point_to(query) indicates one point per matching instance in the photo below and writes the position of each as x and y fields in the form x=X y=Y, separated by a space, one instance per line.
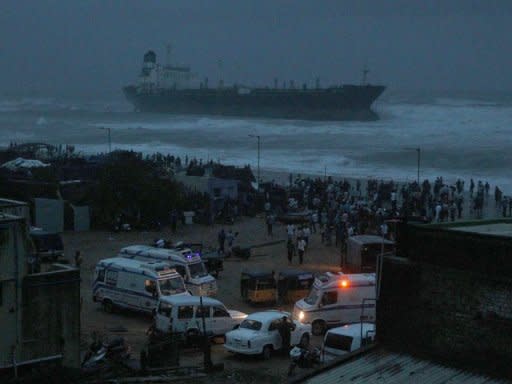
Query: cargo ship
x=175 y=89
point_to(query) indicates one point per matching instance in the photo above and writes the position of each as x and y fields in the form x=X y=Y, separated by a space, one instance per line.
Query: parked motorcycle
x=100 y=353
x=303 y=358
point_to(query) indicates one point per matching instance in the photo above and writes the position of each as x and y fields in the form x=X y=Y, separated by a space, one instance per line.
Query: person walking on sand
x=290 y=231
x=306 y=232
x=221 y=237
x=270 y=223
x=78 y=259
x=301 y=248
x=230 y=238
x=290 y=248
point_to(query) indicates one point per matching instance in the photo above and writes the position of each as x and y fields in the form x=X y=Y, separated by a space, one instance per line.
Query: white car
x=258 y=334
x=348 y=338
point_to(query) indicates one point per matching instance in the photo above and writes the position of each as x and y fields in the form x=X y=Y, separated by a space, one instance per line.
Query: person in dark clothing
x=174 y=220
x=270 y=222
x=290 y=248
x=221 y=237
x=285 y=331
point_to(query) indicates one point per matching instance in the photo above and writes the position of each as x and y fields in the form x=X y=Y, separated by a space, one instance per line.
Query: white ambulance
x=337 y=299
x=132 y=284
x=187 y=264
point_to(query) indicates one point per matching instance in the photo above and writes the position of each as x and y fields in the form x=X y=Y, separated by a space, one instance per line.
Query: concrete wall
x=49 y=214
x=51 y=315
x=456 y=315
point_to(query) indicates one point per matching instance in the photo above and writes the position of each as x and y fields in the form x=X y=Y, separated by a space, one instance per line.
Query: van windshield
x=341 y=342
x=197 y=270
x=313 y=296
x=171 y=286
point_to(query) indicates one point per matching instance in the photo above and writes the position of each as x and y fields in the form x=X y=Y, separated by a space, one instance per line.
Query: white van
x=132 y=284
x=187 y=264
x=337 y=299
x=184 y=314
x=348 y=338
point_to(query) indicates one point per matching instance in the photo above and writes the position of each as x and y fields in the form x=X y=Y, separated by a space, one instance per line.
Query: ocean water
x=459 y=136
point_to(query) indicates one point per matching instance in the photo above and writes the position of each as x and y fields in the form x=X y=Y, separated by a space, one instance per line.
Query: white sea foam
x=457 y=137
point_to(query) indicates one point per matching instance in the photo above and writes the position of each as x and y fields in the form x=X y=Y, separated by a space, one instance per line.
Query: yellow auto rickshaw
x=258 y=286
x=293 y=285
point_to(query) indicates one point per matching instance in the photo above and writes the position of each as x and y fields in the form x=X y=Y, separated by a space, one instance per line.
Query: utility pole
x=418 y=151
x=258 y=138
x=419 y=155
x=109 y=138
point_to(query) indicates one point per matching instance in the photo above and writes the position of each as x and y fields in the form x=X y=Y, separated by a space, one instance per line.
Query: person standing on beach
x=290 y=248
x=306 y=232
x=301 y=248
x=221 y=237
x=230 y=238
x=290 y=231
x=270 y=223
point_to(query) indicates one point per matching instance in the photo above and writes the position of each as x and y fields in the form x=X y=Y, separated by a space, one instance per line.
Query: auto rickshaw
x=293 y=285
x=258 y=286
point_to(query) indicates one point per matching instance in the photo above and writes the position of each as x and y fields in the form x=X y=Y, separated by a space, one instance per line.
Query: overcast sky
x=67 y=47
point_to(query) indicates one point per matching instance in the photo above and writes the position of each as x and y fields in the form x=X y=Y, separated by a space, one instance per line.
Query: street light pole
x=419 y=155
x=418 y=151
x=258 y=138
x=109 y=138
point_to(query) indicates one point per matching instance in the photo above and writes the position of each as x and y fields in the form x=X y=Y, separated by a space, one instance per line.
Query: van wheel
x=304 y=341
x=108 y=306
x=267 y=352
x=318 y=327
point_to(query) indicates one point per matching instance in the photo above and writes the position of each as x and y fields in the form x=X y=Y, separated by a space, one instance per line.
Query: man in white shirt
x=290 y=231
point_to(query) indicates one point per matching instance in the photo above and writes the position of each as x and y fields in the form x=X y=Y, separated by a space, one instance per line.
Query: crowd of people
x=340 y=208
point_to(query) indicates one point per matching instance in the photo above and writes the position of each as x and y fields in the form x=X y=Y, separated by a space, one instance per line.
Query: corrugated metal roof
x=381 y=366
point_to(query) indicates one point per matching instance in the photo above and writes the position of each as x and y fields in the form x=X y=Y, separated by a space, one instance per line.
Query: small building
x=40 y=312
x=214 y=187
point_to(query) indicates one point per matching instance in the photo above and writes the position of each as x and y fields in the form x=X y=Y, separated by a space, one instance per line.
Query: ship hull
x=349 y=102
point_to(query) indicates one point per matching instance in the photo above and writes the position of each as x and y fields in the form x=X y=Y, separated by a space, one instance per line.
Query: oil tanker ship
x=175 y=89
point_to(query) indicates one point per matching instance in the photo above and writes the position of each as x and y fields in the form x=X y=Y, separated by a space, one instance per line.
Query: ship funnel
x=150 y=57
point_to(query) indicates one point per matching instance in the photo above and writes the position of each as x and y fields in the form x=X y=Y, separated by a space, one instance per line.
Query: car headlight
x=301 y=315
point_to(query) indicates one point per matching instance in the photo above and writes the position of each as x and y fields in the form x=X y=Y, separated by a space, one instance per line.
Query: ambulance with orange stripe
x=336 y=299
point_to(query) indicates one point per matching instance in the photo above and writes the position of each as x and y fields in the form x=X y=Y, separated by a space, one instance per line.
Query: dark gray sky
x=72 y=47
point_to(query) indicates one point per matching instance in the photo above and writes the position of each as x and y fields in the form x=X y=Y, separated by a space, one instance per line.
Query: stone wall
x=458 y=316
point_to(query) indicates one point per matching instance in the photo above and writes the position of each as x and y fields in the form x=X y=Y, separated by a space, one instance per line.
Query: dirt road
x=99 y=245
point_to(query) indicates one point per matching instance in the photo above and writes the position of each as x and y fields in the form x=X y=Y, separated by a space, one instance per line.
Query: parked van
x=132 y=284
x=187 y=264
x=337 y=299
x=184 y=314
x=348 y=338
x=363 y=252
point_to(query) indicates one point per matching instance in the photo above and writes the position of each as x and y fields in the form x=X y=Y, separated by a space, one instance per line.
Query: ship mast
x=169 y=51
x=365 y=74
